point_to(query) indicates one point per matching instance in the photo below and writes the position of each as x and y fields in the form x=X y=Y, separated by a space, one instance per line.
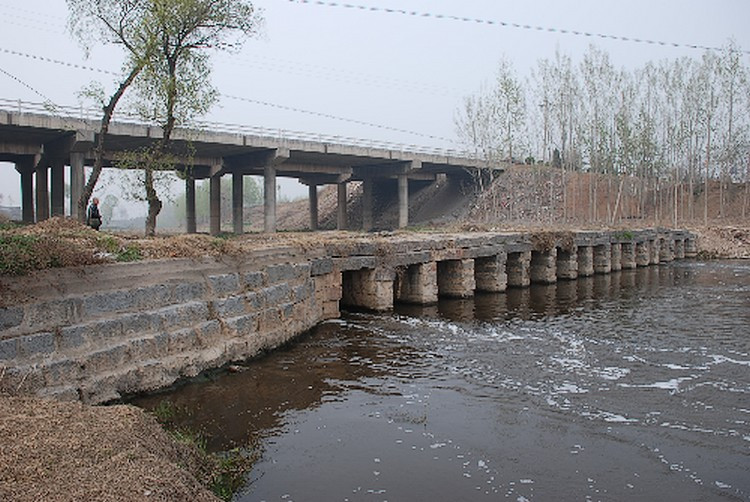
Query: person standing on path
x=93 y=216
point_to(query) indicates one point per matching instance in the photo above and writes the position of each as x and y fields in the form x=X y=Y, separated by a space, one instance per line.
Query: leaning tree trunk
x=154 y=203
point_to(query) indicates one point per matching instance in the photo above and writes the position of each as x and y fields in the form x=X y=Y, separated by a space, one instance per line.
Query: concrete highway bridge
x=40 y=144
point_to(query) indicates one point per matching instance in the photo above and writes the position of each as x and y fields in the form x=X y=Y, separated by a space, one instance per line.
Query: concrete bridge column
x=42 y=192
x=312 y=190
x=691 y=248
x=367 y=204
x=489 y=273
x=517 y=269
x=57 y=176
x=190 y=220
x=368 y=288
x=616 y=256
x=654 y=248
x=341 y=206
x=679 y=249
x=543 y=267
x=585 y=261
x=403 y=201
x=26 y=169
x=643 y=254
x=567 y=263
x=603 y=259
x=417 y=283
x=77 y=181
x=627 y=255
x=238 y=198
x=269 y=199
x=455 y=278
x=666 y=251
x=214 y=190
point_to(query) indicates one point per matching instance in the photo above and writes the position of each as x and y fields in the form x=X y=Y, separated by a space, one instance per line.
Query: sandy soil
x=72 y=452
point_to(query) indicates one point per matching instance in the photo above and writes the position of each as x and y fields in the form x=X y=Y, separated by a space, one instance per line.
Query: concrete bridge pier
x=417 y=283
x=25 y=168
x=341 y=222
x=57 y=177
x=77 y=180
x=603 y=258
x=312 y=190
x=489 y=273
x=585 y=261
x=42 y=191
x=214 y=194
x=367 y=288
x=367 y=204
x=643 y=254
x=455 y=278
x=543 y=267
x=567 y=263
x=627 y=255
x=190 y=219
x=616 y=256
x=269 y=198
x=679 y=249
x=666 y=251
x=517 y=269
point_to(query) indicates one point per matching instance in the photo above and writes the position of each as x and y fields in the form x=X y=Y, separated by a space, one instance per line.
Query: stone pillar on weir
x=603 y=258
x=313 y=200
x=367 y=204
x=517 y=269
x=543 y=266
x=191 y=223
x=417 y=284
x=455 y=278
x=238 y=221
x=585 y=261
x=616 y=256
x=654 y=248
x=370 y=289
x=403 y=201
x=679 y=249
x=627 y=255
x=269 y=199
x=341 y=222
x=643 y=254
x=57 y=176
x=26 y=169
x=77 y=181
x=691 y=250
x=489 y=273
x=666 y=249
x=214 y=193
x=42 y=191
x=567 y=263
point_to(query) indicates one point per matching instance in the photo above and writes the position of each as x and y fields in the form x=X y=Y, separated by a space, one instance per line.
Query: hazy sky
x=404 y=72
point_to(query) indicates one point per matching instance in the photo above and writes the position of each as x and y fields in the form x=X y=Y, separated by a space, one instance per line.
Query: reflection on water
x=628 y=386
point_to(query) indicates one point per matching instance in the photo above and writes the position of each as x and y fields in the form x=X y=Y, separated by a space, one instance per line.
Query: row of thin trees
x=671 y=137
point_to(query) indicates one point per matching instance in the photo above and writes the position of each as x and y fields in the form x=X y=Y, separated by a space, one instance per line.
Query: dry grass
x=73 y=452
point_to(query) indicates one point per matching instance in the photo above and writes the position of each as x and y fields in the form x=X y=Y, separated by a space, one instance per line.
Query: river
x=628 y=386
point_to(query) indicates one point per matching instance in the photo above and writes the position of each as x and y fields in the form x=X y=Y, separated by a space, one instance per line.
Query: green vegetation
x=17 y=254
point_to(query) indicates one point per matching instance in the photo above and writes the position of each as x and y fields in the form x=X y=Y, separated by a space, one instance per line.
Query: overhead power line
x=509 y=24
x=237 y=98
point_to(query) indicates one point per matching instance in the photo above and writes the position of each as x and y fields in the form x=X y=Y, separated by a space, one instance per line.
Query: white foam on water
x=673 y=384
x=721 y=485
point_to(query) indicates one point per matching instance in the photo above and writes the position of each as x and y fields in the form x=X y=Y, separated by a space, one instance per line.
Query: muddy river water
x=628 y=386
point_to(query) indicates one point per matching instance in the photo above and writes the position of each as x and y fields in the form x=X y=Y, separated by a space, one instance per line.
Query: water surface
x=628 y=386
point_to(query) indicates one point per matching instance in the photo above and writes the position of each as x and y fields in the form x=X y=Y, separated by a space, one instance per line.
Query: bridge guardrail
x=94 y=114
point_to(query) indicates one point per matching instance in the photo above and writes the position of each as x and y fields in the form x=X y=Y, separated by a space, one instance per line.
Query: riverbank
x=73 y=452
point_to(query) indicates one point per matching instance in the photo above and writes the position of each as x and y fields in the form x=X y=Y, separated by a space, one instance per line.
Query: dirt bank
x=728 y=242
x=73 y=452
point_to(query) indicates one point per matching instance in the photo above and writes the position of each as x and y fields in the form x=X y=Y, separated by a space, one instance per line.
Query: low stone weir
x=98 y=333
